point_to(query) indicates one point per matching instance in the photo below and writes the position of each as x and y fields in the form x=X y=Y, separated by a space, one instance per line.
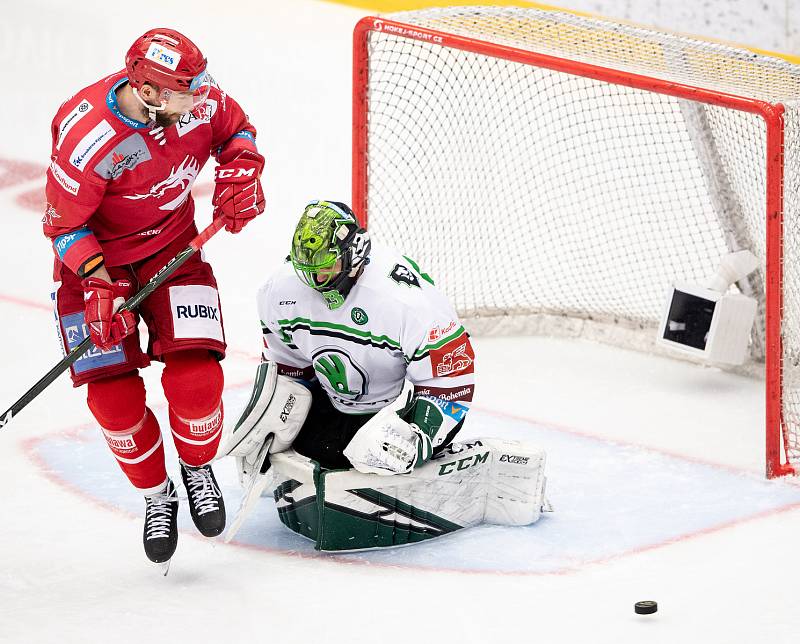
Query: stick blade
x=253 y=490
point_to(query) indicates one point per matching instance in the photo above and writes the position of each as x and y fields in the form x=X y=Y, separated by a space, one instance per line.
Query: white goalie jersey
x=394 y=326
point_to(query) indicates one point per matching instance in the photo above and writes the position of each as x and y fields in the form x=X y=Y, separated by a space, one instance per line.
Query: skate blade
x=163 y=568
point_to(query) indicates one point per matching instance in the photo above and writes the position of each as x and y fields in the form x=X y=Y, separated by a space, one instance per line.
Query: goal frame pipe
x=772 y=114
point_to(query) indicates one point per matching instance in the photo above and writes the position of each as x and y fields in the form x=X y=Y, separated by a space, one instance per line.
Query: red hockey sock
x=130 y=429
x=193 y=383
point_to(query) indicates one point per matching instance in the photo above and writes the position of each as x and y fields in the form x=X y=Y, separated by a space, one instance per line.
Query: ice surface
x=611 y=500
x=654 y=466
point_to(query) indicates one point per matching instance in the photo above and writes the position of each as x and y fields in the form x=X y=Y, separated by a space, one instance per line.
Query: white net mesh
x=571 y=204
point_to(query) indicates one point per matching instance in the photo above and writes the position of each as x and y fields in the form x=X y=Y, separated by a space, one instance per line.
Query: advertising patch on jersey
x=75 y=331
x=163 y=56
x=80 y=110
x=454 y=358
x=125 y=156
x=345 y=378
x=304 y=373
x=64 y=242
x=438 y=332
x=90 y=144
x=64 y=180
x=403 y=275
x=180 y=179
x=456 y=411
x=199 y=116
x=447 y=393
x=195 y=312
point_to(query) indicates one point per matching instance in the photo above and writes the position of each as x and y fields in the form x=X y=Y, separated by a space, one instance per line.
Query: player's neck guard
x=152 y=110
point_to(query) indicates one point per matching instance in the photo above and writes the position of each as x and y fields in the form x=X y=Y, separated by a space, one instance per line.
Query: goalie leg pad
x=481 y=481
x=278 y=405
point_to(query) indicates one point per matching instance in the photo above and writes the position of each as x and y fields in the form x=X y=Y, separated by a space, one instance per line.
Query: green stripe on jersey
x=357 y=335
x=424 y=350
x=416 y=267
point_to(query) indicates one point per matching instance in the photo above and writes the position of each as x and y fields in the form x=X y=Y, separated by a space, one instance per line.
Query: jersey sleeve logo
x=455 y=358
x=64 y=180
x=90 y=144
x=63 y=243
x=80 y=110
x=50 y=214
x=437 y=332
x=403 y=275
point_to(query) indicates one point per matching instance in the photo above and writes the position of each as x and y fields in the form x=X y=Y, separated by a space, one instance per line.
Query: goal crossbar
x=771 y=112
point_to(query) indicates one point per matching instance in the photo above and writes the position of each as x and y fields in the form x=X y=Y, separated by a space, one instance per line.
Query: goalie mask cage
x=558 y=173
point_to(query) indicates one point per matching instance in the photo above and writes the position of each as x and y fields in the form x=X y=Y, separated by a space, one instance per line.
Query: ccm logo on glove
x=228 y=173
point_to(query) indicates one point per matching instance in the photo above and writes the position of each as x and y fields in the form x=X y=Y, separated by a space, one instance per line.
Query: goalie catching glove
x=238 y=196
x=404 y=435
x=386 y=444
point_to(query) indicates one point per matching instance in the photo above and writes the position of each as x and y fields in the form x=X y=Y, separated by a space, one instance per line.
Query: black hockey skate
x=161 y=524
x=205 y=499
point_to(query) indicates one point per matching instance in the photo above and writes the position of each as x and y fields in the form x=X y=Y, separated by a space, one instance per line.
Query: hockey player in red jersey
x=126 y=151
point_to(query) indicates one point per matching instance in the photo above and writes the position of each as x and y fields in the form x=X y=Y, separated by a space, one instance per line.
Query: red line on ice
x=29 y=447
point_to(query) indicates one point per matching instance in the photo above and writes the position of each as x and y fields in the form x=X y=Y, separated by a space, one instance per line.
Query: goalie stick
x=255 y=486
x=169 y=268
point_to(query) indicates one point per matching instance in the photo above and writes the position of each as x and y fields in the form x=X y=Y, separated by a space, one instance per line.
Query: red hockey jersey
x=115 y=188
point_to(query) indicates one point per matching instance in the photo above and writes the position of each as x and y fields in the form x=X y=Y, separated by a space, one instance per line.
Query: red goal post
x=412 y=37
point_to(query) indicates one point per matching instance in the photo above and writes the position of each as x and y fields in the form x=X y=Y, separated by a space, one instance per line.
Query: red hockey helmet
x=168 y=60
x=164 y=58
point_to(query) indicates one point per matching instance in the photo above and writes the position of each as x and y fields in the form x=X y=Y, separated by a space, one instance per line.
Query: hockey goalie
x=367 y=377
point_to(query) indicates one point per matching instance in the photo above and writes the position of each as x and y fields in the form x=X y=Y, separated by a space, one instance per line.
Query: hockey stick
x=169 y=268
x=253 y=488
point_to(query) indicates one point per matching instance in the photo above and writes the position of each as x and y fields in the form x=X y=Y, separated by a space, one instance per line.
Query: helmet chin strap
x=152 y=110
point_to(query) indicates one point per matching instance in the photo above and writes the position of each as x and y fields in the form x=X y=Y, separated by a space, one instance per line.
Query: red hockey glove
x=238 y=196
x=101 y=301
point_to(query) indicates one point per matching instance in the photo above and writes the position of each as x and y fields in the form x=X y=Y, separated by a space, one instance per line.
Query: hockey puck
x=645 y=607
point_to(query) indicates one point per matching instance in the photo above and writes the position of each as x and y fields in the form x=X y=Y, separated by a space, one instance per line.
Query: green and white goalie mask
x=329 y=250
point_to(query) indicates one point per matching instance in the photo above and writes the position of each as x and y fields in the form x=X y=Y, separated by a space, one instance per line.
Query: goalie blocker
x=486 y=480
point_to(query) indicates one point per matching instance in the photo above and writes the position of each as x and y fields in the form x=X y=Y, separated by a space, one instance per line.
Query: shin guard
x=130 y=429
x=193 y=385
x=197 y=439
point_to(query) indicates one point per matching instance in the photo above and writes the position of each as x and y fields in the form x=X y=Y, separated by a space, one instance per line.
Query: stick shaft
x=159 y=278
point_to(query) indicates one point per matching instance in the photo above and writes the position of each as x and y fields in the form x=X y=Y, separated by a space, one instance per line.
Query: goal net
x=558 y=173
